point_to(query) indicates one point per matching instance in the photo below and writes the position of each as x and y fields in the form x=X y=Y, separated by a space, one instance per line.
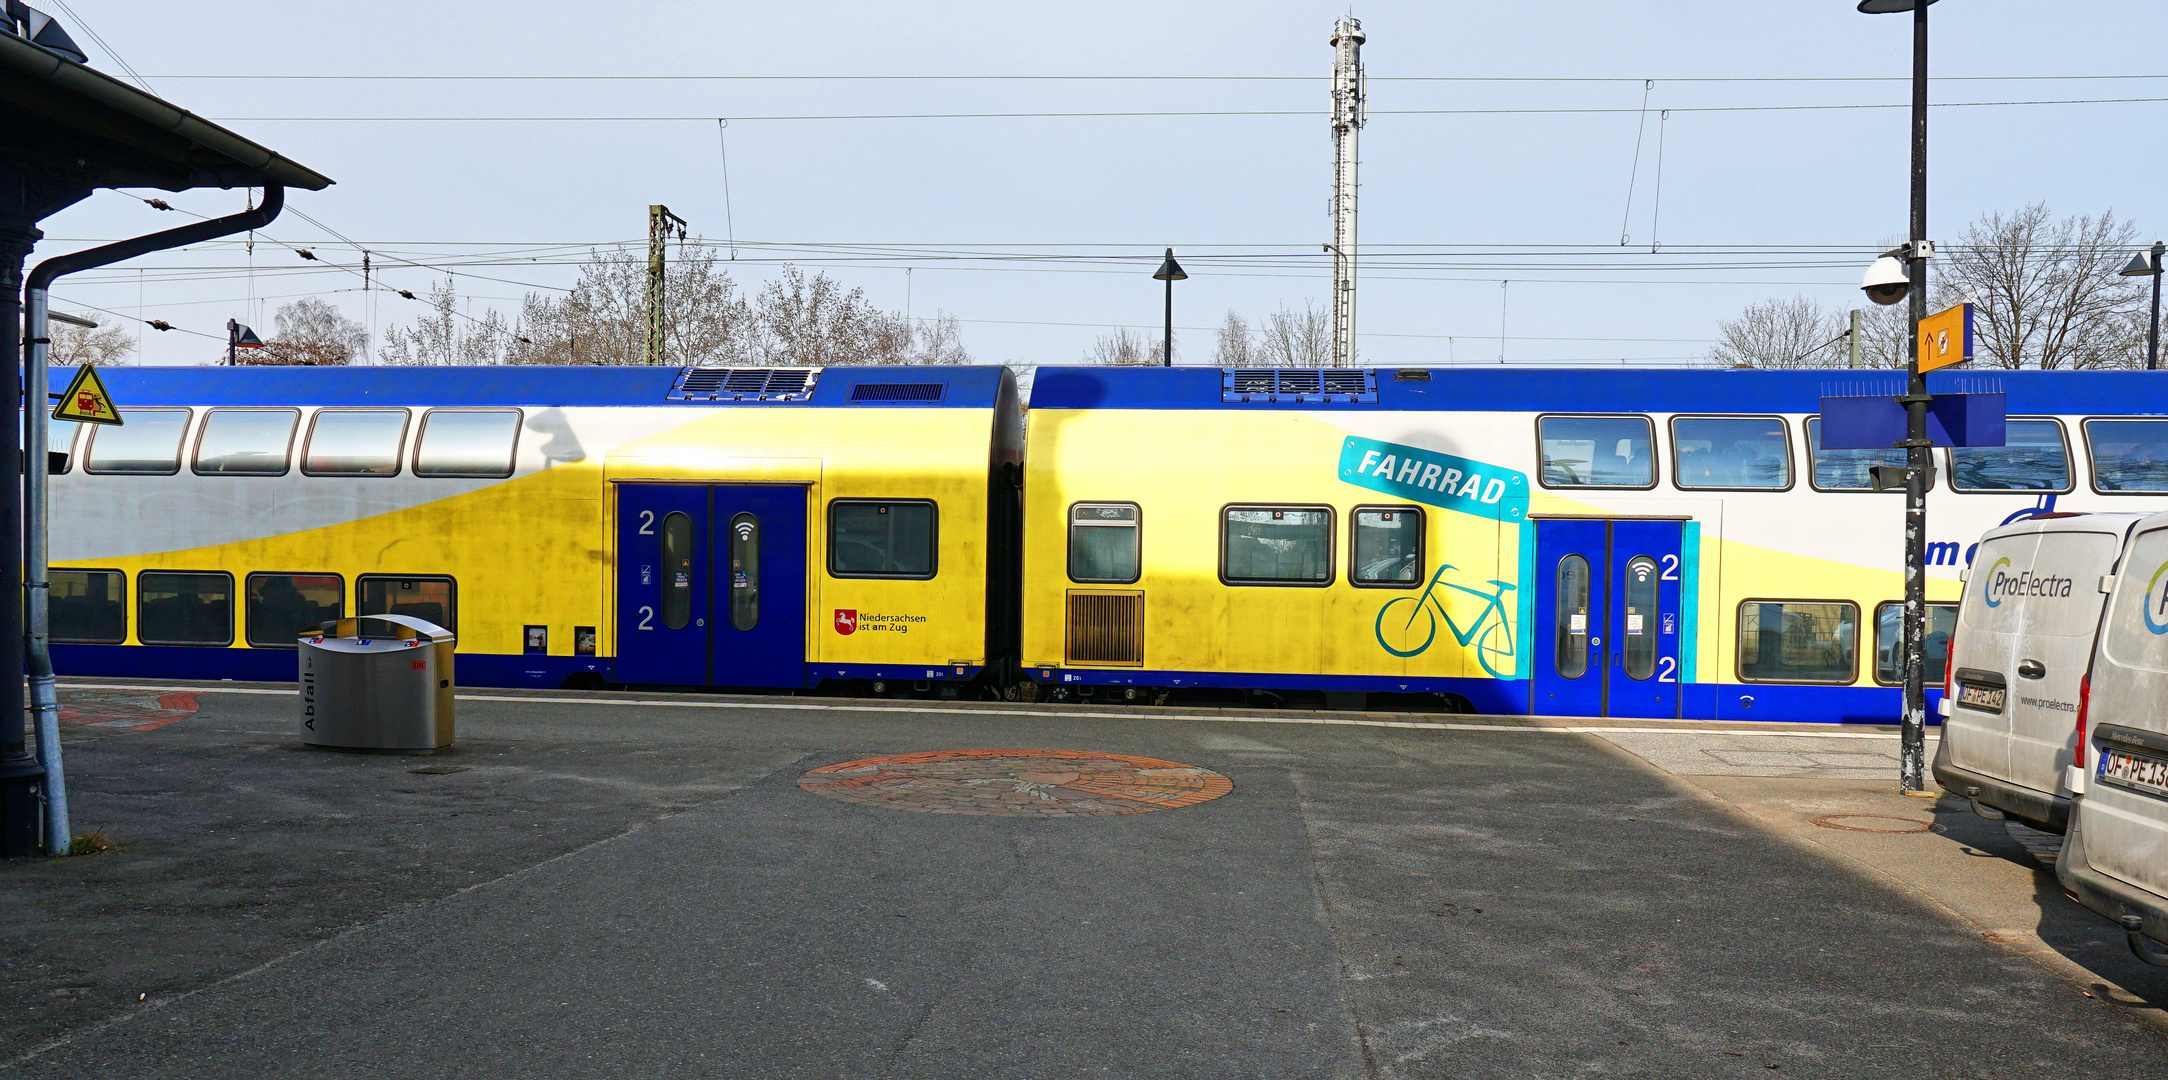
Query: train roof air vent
x=1306 y=386
x=921 y=392
x=744 y=384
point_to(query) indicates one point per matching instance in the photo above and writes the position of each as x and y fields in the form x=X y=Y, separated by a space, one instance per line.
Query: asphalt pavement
x=637 y=885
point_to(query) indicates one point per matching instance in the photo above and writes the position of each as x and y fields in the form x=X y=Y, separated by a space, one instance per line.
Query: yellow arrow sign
x=86 y=401
x=1946 y=338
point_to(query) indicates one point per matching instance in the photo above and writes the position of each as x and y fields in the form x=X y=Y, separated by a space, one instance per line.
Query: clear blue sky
x=1243 y=198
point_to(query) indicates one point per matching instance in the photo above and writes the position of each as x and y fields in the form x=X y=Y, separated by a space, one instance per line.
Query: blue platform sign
x=1427 y=476
x=1878 y=423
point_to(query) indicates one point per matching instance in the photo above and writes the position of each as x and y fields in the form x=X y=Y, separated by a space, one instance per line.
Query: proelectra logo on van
x=2156 y=601
x=1426 y=476
x=2001 y=583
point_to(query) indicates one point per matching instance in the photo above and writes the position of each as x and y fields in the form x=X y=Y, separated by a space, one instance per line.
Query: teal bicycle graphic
x=1493 y=638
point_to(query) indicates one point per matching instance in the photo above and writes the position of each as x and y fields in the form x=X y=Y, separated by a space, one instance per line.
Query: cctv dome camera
x=1886 y=281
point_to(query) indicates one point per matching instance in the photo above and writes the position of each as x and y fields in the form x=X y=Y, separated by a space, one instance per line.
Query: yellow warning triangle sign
x=86 y=401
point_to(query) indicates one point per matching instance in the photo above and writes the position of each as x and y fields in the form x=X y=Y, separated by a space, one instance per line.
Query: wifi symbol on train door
x=744 y=529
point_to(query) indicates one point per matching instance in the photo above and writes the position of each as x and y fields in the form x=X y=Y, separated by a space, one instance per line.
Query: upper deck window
x=467 y=442
x=2033 y=457
x=1597 y=451
x=1731 y=452
x=2129 y=456
x=1845 y=470
x=355 y=442
x=246 y=442
x=148 y=441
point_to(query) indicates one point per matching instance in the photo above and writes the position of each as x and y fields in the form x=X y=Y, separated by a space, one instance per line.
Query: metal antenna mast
x=659 y=220
x=1347 y=121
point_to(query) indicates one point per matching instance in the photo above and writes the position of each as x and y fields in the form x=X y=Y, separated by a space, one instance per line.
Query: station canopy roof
x=88 y=129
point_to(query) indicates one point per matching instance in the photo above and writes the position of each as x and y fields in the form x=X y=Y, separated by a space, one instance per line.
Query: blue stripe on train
x=1698 y=701
x=533 y=387
x=1476 y=389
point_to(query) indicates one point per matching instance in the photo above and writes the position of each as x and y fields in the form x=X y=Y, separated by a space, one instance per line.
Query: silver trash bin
x=390 y=694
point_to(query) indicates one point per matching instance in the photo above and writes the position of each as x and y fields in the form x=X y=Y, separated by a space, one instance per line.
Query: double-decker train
x=1586 y=542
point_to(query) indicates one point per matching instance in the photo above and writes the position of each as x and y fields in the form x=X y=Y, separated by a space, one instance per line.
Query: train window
x=60 y=439
x=355 y=442
x=430 y=599
x=2033 y=457
x=1889 y=642
x=677 y=569
x=1731 y=453
x=2129 y=456
x=148 y=441
x=245 y=442
x=1570 y=651
x=876 y=538
x=1104 y=543
x=1597 y=451
x=1804 y=641
x=467 y=442
x=1846 y=470
x=1388 y=547
x=88 y=606
x=1276 y=545
x=186 y=607
x=281 y=606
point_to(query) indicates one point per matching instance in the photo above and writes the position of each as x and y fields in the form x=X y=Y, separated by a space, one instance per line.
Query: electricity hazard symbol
x=86 y=401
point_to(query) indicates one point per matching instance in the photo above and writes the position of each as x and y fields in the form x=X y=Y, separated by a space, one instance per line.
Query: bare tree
x=1126 y=348
x=603 y=320
x=2046 y=293
x=74 y=346
x=1781 y=334
x=1296 y=338
x=309 y=333
x=1235 y=347
x=445 y=336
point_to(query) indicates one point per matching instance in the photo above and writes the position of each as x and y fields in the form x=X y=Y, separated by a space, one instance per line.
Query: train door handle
x=2031 y=669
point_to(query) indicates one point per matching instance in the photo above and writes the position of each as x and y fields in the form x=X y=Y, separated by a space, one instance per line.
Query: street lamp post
x=239 y=337
x=1912 y=753
x=2148 y=264
x=1169 y=272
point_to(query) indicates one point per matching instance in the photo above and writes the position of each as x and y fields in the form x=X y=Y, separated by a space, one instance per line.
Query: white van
x=2115 y=860
x=2025 y=629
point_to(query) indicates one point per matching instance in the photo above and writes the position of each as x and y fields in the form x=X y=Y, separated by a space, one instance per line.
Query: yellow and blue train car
x=759 y=528
x=1585 y=543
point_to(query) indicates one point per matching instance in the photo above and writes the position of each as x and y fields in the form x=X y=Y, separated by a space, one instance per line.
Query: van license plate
x=1980 y=697
x=2150 y=774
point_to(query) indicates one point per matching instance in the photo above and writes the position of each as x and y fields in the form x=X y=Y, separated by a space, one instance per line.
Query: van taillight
x=2085 y=704
x=1949 y=665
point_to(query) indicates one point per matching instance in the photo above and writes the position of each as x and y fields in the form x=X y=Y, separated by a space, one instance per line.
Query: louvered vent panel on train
x=1106 y=628
x=745 y=384
x=898 y=391
x=1309 y=386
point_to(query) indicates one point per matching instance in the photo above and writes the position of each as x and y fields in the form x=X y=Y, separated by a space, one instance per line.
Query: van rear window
x=2039 y=585
x=2129 y=456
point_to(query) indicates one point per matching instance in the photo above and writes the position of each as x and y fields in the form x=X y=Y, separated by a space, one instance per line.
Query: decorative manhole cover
x=126 y=710
x=1018 y=783
x=1875 y=823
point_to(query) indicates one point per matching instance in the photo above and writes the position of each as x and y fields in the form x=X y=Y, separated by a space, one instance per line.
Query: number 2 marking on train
x=1668 y=669
x=647 y=617
x=1671 y=568
x=647 y=523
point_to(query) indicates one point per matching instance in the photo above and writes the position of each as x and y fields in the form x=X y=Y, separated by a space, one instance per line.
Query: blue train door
x=1607 y=626
x=760 y=545
x=662 y=584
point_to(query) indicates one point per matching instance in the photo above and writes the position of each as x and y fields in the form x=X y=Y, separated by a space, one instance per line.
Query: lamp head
x=2143 y=264
x=1886 y=7
x=1886 y=282
x=1170 y=270
x=245 y=338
